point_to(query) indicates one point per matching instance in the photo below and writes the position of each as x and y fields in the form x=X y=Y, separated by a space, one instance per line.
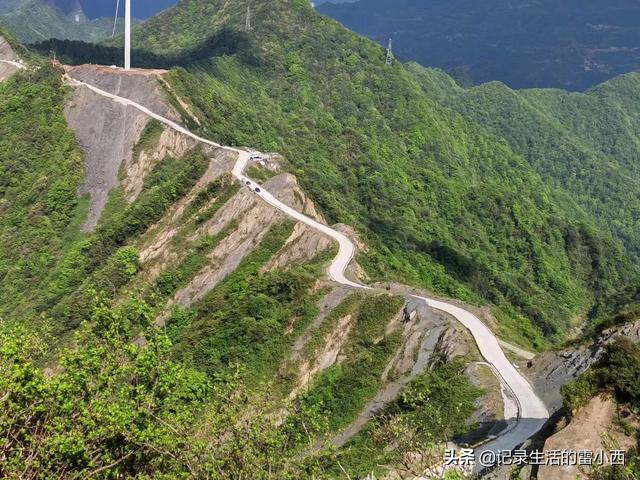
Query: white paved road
x=532 y=411
x=15 y=64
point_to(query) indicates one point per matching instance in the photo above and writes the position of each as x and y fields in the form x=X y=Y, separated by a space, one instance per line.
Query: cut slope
x=107 y=131
x=8 y=57
x=532 y=413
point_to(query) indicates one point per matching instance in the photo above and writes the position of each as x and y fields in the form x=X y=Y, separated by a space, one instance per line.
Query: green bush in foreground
x=117 y=408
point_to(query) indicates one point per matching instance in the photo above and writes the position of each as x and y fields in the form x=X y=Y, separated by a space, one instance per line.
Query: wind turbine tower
x=127 y=35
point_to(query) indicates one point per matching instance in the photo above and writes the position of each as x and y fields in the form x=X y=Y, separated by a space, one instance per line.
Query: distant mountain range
x=32 y=21
x=525 y=43
x=88 y=20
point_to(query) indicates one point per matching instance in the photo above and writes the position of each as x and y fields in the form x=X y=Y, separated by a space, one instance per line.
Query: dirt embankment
x=593 y=428
x=108 y=131
x=7 y=53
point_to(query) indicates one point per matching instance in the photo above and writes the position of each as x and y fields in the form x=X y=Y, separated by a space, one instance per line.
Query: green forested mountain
x=445 y=193
x=442 y=201
x=585 y=144
x=33 y=21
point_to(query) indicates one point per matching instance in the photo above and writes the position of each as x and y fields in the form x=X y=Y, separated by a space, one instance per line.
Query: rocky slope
x=240 y=223
x=107 y=131
x=7 y=53
x=551 y=370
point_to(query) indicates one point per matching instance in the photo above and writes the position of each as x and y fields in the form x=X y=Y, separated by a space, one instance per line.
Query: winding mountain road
x=532 y=411
x=15 y=64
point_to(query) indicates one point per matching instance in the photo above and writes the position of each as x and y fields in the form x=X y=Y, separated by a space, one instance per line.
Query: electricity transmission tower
x=389 y=61
x=247 y=26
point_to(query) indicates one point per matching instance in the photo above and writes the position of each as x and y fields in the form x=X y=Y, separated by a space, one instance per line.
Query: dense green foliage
x=341 y=391
x=434 y=407
x=113 y=408
x=582 y=143
x=40 y=171
x=441 y=201
x=617 y=370
x=96 y=263
x=245 y=318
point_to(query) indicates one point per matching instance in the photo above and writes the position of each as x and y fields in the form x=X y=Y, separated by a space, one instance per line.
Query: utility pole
x=389 y=61
x=127 y=35
x=247 y=26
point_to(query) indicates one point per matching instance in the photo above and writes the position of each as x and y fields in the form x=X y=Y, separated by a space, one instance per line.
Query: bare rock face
x=551 y=370
x=7 y=53
x=592 y=428
x=451 y=344
x=106 y=130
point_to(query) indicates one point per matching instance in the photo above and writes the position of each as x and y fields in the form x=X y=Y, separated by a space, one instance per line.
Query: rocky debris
x=592 y=428
x=140 y=86
x=107 y=132
x=424 y=338
x=451 y=344
x=489 y=414
x=551 y=370
x=7 y=53
x=286 y=189
x=254 y=219
x=334 y=298
x=157 y=250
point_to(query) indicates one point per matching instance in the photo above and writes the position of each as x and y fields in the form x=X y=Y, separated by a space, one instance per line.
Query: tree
x=118 y=406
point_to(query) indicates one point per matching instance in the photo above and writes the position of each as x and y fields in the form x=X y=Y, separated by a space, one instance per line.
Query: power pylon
x=389 y=61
